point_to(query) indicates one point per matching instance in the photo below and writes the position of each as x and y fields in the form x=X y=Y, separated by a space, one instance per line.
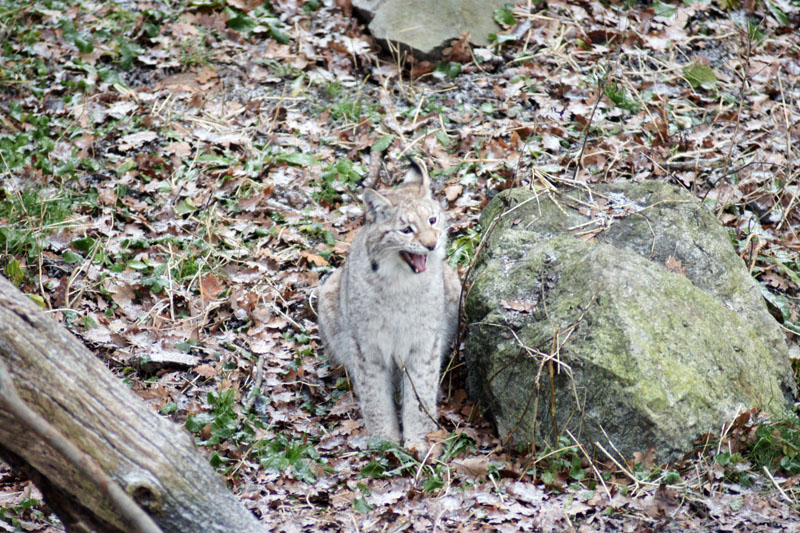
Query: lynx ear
x=417 y=175
x=377 y=205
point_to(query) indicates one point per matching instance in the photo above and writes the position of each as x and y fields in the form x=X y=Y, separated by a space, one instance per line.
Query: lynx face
x=407 y=223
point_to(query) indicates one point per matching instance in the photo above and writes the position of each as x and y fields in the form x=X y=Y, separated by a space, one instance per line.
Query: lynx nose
x=428 y=239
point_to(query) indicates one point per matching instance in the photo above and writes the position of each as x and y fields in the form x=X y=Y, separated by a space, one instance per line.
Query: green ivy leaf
x=70 y=257
x=664 y=10
x=278 y=34
x=302 y=471
x=548 y=476
x=504 y=16
x=361 y=506
x=449 y=69
x=84 y=244
x=700 y=76
x=432 y=484
x=373 y=469
x=382 y=144
x=194 y=423
x=443 y=138
x=778 y=14
x=15 y=272
x=185 y=207
x=300 y=160
x=217 y=460
x=137 y=265
x=84 y=43
x=186 y=346
x=238 y=20
x=501 y=38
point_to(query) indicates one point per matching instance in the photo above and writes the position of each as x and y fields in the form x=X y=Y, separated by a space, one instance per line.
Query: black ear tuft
x=417 y=175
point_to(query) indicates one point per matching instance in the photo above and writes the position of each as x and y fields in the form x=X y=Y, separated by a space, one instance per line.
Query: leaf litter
x=177 y=180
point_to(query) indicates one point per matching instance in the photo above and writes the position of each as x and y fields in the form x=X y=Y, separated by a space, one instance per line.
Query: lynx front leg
x=375 y=389
x=420 y=387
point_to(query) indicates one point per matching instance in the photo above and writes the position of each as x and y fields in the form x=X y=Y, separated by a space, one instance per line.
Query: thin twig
x=780 y=489
x=591 y=463
x=465 y=284
x=251 y=398
x=622 y=468
x=789 y=158
x=601 y=90
x=402 y=366
x=742 y=89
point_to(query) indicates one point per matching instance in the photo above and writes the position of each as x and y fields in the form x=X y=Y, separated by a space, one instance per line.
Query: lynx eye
x=432 y=220
x=407 y=230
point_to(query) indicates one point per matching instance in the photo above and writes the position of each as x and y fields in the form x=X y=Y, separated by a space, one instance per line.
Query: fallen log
x=103 y=460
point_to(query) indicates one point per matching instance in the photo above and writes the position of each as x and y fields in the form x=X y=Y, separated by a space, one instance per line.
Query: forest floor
x=177 y=176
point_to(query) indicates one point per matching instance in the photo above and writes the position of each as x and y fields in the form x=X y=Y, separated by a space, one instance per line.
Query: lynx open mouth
x=415 y=261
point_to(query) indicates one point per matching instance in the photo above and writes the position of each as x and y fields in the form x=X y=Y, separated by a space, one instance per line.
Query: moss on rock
x=649 y=357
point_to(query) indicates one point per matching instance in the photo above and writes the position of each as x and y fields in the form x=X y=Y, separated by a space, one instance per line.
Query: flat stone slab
x=426 y=26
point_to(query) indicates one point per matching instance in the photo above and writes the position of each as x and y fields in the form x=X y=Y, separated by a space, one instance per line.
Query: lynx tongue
x=415 y=261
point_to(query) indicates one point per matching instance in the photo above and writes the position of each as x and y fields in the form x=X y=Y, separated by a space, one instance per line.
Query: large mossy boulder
x=621 y=314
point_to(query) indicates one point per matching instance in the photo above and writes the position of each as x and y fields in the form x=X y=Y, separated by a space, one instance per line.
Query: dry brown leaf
x=314 y=259
x=674 y=265
x=453 y=191
x=473 y=467
x=208 y=73
x=646 y=459
x=134 y=140
x=107 y=196
x=210 y=286
x=207 y=371
x=516 y=304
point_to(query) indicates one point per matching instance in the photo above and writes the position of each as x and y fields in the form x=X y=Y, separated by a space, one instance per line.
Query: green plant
x=26 y=510
x=344 y=107
x=30 y=214
x=462 y=248
x=256 y=20
x=353 y=110
x=563 y=463
x=777 y=446
x=736 y=468
x=194 y=52
x=388 y=460
x=700 y=76
x=343 y=176
x=222 y=423
x=504 y=16
x=280 y=453
x=317 y=230
x=617 y=93
x=455 y=445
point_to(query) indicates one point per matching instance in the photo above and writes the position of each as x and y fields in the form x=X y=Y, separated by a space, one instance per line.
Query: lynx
x=390 y=313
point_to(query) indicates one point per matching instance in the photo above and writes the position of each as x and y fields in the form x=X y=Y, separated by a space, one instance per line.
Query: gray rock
x=646 y=357
x=426 y=27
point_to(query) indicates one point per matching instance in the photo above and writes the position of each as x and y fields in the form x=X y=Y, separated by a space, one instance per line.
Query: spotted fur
x=390 y=313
